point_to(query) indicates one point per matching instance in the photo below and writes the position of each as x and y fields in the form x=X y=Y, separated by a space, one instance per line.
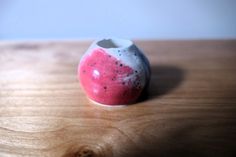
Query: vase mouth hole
x=114 y=43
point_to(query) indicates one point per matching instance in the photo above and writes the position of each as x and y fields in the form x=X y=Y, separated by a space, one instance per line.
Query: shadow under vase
x=164 y=78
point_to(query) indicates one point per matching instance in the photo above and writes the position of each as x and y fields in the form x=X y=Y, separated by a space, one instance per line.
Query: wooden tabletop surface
x=190 y=110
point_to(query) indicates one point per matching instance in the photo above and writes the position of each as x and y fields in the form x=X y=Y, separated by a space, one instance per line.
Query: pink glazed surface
x=102 y=77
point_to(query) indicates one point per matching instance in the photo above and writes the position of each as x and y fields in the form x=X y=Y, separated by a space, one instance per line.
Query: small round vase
x=114 y=72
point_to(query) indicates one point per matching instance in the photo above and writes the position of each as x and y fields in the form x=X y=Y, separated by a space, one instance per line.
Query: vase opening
x=114 y=43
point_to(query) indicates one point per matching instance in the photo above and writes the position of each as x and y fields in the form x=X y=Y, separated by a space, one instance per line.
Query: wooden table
x=190 y=111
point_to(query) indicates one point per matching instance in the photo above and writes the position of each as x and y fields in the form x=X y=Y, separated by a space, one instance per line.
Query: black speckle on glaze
x=121 y=65
x=92 y=64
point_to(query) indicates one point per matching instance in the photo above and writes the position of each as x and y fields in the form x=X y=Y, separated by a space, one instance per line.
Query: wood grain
x=190 y=109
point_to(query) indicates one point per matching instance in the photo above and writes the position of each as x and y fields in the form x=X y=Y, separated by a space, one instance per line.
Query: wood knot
x=88 y=151
x=85 y=152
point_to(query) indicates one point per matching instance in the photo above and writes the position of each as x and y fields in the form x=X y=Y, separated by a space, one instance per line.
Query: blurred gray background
x=137 y=19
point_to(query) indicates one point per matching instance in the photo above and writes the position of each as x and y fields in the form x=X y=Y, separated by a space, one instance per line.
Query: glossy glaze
x=113 y=72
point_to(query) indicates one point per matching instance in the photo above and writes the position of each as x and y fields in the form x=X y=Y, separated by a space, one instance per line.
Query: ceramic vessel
x=114 y=72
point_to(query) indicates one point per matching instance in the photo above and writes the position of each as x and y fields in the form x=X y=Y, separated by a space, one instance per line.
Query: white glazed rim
x=115 y=43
